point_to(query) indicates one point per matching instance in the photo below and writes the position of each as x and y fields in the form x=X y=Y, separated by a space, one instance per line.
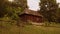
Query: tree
x=2 y=8
x=12 y=9
x=48 y=9
x=13 y=5
x=58 y=15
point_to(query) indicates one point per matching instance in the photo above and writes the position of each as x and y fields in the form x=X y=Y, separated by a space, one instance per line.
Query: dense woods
x=8 y=8
x=48 y=8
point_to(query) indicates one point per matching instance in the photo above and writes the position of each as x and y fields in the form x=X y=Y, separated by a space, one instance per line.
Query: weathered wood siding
x=26 y=17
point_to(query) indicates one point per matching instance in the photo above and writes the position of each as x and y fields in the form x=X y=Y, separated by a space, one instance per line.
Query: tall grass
x=8 y=28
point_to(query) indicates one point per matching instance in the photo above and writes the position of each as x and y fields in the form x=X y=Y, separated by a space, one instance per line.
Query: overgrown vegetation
x=10 y=20
x=7 y=28
x=11 y=10
x=50 y=10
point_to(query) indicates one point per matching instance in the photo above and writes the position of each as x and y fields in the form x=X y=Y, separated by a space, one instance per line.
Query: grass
x=40 y=30
x=7 y=28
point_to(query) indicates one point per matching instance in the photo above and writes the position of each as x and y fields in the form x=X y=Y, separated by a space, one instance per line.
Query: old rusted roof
x=27 y=11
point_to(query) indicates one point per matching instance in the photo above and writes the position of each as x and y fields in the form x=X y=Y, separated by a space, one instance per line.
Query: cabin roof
x=27 y=11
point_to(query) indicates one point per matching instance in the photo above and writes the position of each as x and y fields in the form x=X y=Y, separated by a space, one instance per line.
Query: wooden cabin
x=33 y=16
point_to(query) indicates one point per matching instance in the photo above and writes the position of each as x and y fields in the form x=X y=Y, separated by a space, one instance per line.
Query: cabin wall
x=33 y=18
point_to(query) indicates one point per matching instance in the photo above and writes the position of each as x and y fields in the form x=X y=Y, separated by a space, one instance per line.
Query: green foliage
x=14 y=8
x=48 y=9
x=2 y=8
x=46 y=24
x=58 y=15
x=13 y=12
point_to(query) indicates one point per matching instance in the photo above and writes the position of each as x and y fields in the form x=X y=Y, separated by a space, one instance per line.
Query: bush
x=46 y=24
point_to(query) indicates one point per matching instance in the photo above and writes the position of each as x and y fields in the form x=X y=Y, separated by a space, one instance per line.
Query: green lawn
x=7 y=28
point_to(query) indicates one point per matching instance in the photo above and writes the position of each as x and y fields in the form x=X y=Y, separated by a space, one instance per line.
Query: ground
x=7 y=28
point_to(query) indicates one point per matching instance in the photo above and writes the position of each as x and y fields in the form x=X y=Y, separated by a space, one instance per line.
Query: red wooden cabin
x=33 y=16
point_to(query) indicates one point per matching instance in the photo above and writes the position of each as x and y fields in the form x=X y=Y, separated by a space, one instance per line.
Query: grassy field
x=7 y=28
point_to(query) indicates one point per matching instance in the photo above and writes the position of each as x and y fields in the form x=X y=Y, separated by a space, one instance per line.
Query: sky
x=34 y=4
x=11 y=0
x=58 y=1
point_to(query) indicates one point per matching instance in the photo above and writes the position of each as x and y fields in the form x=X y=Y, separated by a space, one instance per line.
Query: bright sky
x=11 y=0
x=58 y=1
x=34 y=4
